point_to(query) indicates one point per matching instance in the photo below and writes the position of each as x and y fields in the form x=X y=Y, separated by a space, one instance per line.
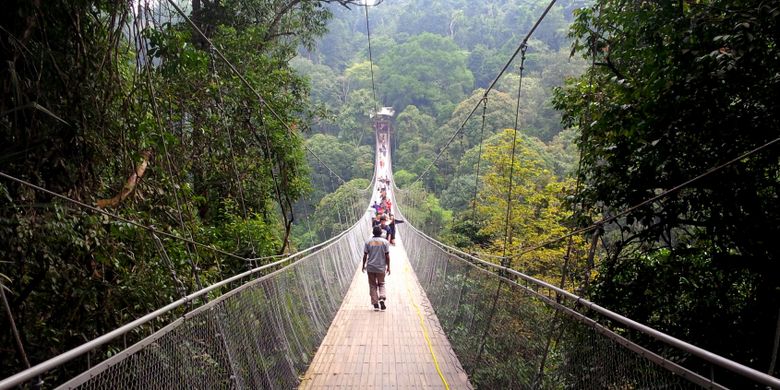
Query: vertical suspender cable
x=507 y=229
x=567 y=257
x=578 y=183
x=169 y=166
x=588 y=121
x=479 y=158
x=234 y=165
x=523 y=44
x=370 y=59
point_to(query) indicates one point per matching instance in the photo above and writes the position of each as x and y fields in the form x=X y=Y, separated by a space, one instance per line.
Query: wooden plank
x=386 y=349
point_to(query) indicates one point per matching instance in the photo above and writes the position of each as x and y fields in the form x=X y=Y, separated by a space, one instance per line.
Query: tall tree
x=115 y=106
x=677 y=89
x=413 y=130
x=537 y=210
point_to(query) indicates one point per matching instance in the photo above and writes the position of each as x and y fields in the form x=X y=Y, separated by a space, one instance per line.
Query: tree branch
x=130 y=184
x=611 y=66
x=271 y=31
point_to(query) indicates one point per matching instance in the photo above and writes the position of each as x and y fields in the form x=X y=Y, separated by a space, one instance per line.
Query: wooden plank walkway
x=388 y=349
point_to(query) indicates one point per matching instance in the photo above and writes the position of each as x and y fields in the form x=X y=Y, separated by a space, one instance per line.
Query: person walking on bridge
x=376 y=260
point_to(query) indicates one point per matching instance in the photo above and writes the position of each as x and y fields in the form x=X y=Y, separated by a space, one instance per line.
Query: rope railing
x=309 y=285
x=260 y=334
x=541 y=336
x=260 y=328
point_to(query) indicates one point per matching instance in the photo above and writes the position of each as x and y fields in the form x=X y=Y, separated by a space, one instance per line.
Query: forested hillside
x=124 y=108
x=432 y=64
x=658 y=95
x=629 y=154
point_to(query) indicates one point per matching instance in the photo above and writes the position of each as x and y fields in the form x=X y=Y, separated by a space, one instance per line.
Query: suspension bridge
x=451 y=317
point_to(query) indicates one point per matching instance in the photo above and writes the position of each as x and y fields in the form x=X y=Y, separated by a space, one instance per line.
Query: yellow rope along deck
x=425 y=333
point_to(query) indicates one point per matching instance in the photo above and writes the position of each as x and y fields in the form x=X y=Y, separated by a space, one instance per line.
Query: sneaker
x=376 y=307
x=382 y=304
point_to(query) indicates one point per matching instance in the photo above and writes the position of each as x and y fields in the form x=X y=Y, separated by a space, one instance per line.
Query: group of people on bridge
x=376 y=252
x=383 y=215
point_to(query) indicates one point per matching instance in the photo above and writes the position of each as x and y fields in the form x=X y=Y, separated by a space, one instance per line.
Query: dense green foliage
x=127 y=108
x=134 y=112
x=339 y=210
x=428 y=63
x=412 y=73
x=679 y=88
x=537 y=212
x=432 y=64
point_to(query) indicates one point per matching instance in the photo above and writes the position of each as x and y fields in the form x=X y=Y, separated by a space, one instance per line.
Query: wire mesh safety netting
x=511 y=333
x=193 y=175
x=262 y=334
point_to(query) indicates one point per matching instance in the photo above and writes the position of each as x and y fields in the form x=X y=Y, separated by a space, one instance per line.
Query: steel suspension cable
x=479 y=159
x=370 y=58
x=567 y=257
x=578 y=182
x=523 y=43
x=60 y=359
x=662 y=195
x=447 y=144
x=277 y=187
x=507 y=225
x=582 y=303
x=229 y=130
x=246 y=83
x=180 y=288
x=233 y=164
x=169 y=165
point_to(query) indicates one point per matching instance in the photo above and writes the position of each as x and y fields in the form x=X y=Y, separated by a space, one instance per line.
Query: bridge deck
x=388 y=350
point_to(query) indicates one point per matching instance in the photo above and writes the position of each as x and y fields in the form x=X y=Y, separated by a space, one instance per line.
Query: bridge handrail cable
x=708 y=356
x=65 y=357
